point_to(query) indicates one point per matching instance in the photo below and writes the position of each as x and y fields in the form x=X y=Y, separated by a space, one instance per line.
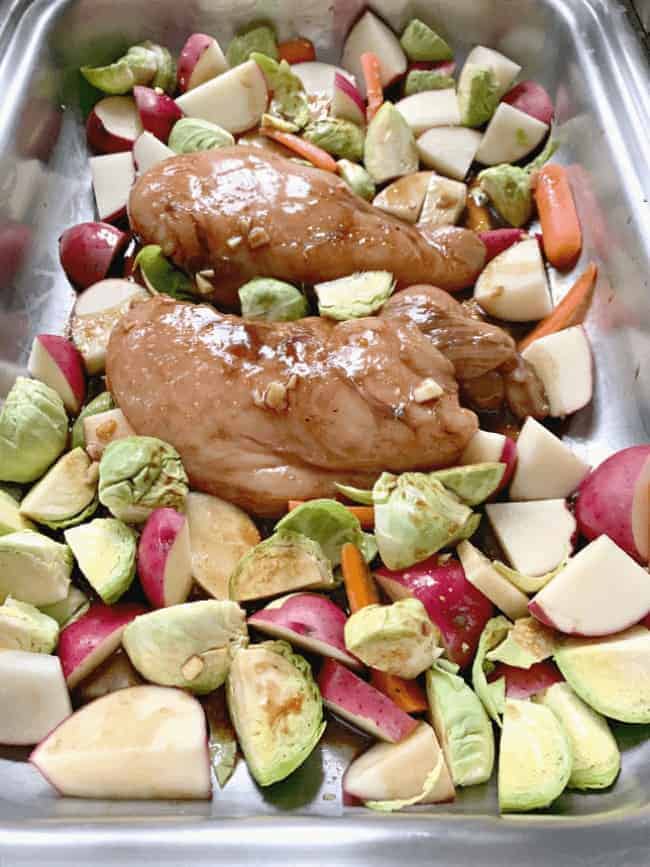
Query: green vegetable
x=419 y=80
x=11 y=520
x=67 y=493
x=331 y=525
x=543 y=156
x=420 y=42
x=390 y=150
x=105 y=550
x=478 y=95
x=24 y=627
x=289 y=102
x=430 y=784
x=257 y=39
x=102 y=403
x=285 y=562
x=358 y=179
x=492 y=695
x=161 y=276
x=341 y=138
x=526 y=583
x=472 y=484
x=527 y=643
x=146 y=63
x=272 y=121
x=399 y=639
x=165 y=77
x=140 y=474
x=415 y=516
x=189 y=646
x=69 y=609
x=33 y=431
x=222 y=741
x=276 y=709
x=461 y=724
x=34 y=568
x=356 y=296
x=191 y=134
x=357 y=495
x=272 y=300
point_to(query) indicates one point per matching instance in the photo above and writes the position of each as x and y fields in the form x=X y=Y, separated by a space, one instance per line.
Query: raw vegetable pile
x=496 y=607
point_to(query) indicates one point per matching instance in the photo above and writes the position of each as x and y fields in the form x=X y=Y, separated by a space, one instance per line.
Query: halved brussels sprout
x=146 y=63
x=34 y=568
x=526 y=583
x=67 y=493
x=102 y=403
x=74 y=606
x=419 y=80
x=420 y=42
x=24 y=627
x=11 y=521
x=492 y=695
x=276 y=709
x=191 y=134
x=161 y=276
x=289 y=102
x=259 y=38
x=105 y=550
x=478 y=95
x=355 y=296
x=358 y=179
x=272 y=300
x=474 y=483
x=341 y=138
x=508 y=188
x=390 y=149
x=527 y=643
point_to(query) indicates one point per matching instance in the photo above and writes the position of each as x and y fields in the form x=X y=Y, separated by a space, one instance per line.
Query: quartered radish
x=235 y=100
x=113 y=176
x=201 y=59
x=88 y=250
x=482 y=574
x=514 y=286
x=58 y=363
x=487 y=447
x=405 y=196
x=449 y=150
x=546 y=467
x=498 y=240
x=564 y=365
x=113 y=125
x=165 y=558
x=347 y=102
x=444 y=202
x=148 y=151
x=428 y=109
x=33 y=695
x=504 y=70
x=510 y=136
x=319 y=78
x=158 y=111
x=371 y=34
x=531 y=98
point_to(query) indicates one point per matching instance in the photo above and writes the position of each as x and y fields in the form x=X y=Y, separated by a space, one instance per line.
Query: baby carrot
x=359 y=586
x=305 y=149
x=365 y=514
x=297 y=50
x=558 y=216
x=570 y=311
x=372 y=78
x=407 y=694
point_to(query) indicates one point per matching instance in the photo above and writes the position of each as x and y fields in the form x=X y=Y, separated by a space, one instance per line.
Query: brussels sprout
x=415 y=516
x=140 y=474
x=256 y=39
x=222 y=742
x=527 y=583
x=161 y=276
x=67 y=493
x=355 y=296
x=34 y=568
x=420 y=42
x=358 y=179
x=190 y=134
x=357 y=495
x=272 y=300
x=341 y=138
x=527 y=643
x=478 y=95
x=105 y=550
x=543 y=156
x=508 y=188
x=33 y=431
x=289 y=101
x=69 y=609
x=190 y=645
x=285 y=562
x=11 y=520
x=390 y=150
x=461 y=724
x=147 y=63
x=398 y=639
x=474 y=483
x=276 y=709
x=165 y=77
x=492 y=695
x=419 y=80
x=24 y=627
x=102 y=403
x=331 y=525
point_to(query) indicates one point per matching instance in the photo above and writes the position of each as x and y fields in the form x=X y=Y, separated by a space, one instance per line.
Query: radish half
x=113 y=125
x=113 y=176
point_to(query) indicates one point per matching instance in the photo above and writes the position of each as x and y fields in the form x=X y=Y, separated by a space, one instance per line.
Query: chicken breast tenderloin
x=243 y=213
x=266 y=412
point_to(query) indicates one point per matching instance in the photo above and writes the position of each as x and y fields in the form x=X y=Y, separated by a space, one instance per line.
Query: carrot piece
x=570 y=311
x=305 y=149
x=359 y=586
x=407 y=694
x=557 y=214
x=478 y=216
x=372 y=77
x=297 y=50
x=365 y=514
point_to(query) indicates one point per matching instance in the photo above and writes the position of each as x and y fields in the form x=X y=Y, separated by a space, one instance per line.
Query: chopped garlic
x=427 y=390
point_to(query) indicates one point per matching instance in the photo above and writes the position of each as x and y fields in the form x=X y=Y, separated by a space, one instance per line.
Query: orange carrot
x=407 y=694
x=478 y=216
x=372 y=77
x=570 y=311
x=365 y=514
x=297 y=50
x=557 y=214
x=359 y=586
x=305 y=149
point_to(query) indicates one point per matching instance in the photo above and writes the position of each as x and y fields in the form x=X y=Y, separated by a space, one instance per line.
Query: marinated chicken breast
x=266 y=412
x=242 y=213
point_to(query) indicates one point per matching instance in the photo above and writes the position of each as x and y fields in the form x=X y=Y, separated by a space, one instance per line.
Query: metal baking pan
x=588 y=56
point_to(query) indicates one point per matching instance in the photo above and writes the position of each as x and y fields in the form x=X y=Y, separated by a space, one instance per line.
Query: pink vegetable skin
x=606 y=499
x=165 y=559
x=458 y=609
x=498 y=240
x=531 y=98
x=524 y=682
x=88 y=250
x=444 y=67
x=158 y=112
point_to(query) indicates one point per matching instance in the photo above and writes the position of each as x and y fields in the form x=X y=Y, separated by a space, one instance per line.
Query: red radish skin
x=158 y=112
x=606 y=497
x=509 y=458
x=363 y=705
x=113 y=125
x=458 y=609
x=191 y=53
x=70 y=365
x=87 y=251
x=525 y=682
x=86 y=643
x=531 y=98
x=163 y=529
x=444 y=67
x=498 y=240
x=347 y=102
